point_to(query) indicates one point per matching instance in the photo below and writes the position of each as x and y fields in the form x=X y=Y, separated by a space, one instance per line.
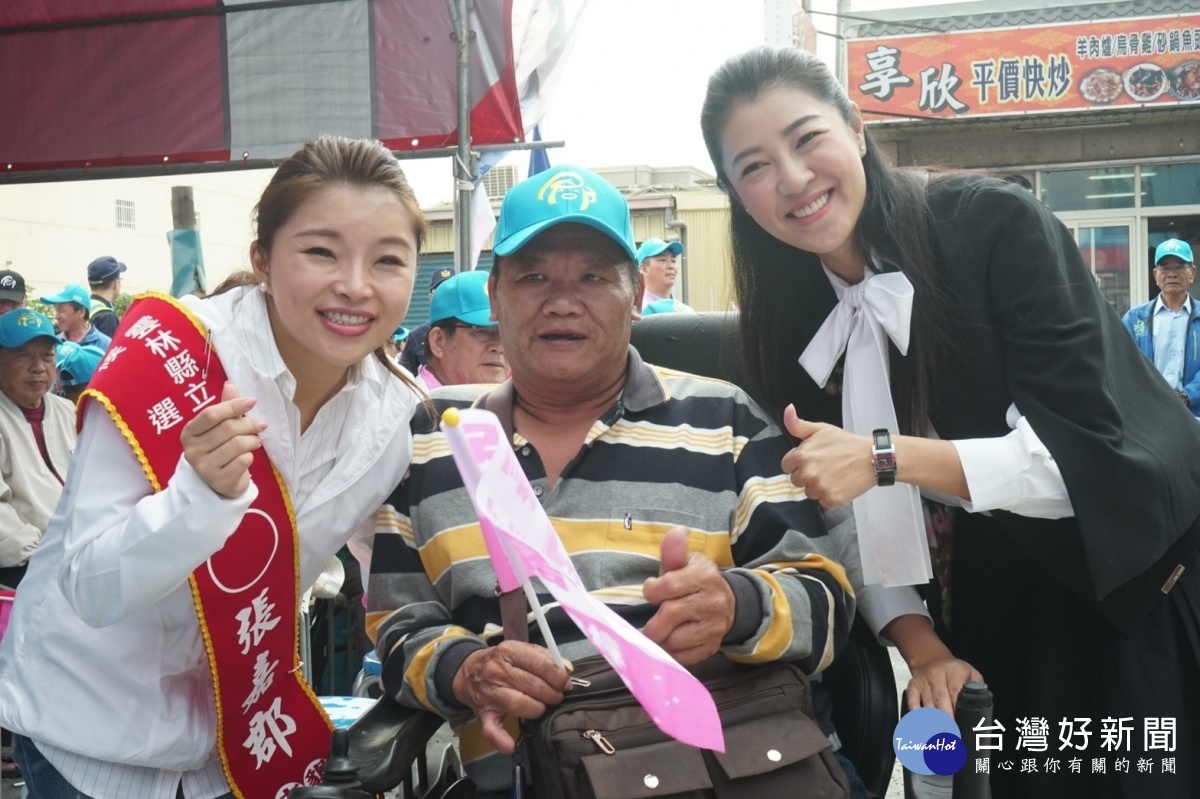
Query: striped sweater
x=676 y=449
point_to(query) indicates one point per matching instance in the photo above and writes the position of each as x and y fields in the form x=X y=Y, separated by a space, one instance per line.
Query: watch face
x=885 y=462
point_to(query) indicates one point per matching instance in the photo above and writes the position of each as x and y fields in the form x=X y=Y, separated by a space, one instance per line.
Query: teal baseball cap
x=72 y=292
x=565 y=193
x=24 y=325
x=653 y=247
x=1180 y=249
x=463 y=297
x=77 y=363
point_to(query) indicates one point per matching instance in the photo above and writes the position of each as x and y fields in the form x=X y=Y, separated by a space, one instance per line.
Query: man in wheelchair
x=665 y=488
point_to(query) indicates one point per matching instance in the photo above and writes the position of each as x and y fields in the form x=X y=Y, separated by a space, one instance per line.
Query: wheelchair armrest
x=386 y=741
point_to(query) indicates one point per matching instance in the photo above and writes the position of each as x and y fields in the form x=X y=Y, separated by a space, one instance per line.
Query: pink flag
x=522 y=543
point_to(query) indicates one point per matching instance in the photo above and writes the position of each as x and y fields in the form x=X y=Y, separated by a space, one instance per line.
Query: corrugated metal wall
x=709 y=276
x=418 y=306
x=439 y=239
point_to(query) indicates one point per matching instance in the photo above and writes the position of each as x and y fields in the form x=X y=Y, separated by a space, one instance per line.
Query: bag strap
x=514 y=616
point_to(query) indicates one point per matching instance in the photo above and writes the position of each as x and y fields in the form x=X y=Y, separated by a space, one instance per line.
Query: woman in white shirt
x=103 y=671
x=952 y=341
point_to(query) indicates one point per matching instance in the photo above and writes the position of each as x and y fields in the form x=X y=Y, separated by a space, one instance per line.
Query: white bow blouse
x=891 y=529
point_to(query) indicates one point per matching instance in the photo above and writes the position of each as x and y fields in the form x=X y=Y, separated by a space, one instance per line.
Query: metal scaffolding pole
x=464 y=159
x=843 y=8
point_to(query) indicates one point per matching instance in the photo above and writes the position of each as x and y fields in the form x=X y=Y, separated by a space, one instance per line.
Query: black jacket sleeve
x=1031 y=327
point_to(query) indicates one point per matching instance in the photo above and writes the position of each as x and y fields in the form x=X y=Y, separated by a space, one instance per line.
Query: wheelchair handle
x=339 y=772
x=974 y=708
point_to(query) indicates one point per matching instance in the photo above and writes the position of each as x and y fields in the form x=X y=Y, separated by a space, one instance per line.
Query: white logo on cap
x=8 y=282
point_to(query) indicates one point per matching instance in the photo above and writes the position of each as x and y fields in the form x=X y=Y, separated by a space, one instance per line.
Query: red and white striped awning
x=88 y=84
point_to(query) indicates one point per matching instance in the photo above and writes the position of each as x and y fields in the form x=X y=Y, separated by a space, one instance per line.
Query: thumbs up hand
x=832 y=466
x=696 y=604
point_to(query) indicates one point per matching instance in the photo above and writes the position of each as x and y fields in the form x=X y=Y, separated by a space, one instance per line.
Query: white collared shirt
x=1170 y=337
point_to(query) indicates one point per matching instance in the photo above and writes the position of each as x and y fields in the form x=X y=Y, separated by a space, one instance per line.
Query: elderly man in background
x=657 y=263
x=72 y=312
x=664 y=487
x=463 y=343
x=37 y=434
x=1167 y=329
x=12 y=291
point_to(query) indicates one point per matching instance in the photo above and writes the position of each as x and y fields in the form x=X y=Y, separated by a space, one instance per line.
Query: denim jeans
x=42 y=780
x=858 y=788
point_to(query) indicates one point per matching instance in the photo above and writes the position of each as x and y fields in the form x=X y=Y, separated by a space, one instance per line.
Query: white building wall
x=49 y=232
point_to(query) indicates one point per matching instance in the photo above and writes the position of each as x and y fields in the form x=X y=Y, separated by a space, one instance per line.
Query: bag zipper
x=600 y=741
x=603 y=699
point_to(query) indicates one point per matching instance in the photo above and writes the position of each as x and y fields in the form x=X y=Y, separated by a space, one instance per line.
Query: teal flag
x=187 y=263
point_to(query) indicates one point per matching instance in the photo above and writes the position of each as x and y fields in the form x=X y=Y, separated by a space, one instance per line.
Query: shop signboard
x=1081 y=66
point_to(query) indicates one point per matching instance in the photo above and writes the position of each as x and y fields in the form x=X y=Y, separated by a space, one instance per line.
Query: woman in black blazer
x=951 y=340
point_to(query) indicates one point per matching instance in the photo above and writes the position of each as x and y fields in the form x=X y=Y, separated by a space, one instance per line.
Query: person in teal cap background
x=463 y=343
x=72 y=309
x=76 y=364
x=657 y=262
x=412 y=356
x=37 y=434
x=665 y=306
x=1167 y=329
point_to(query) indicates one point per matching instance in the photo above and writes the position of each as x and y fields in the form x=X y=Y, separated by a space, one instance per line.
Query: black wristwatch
x=883 y=458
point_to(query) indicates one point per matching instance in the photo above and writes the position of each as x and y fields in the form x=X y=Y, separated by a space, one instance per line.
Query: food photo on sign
x=1027 y=69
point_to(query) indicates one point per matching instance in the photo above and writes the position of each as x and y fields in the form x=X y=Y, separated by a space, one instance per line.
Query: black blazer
x=1027 y=324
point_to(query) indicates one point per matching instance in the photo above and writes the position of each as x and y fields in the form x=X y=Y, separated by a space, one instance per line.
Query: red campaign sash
x=272 y=733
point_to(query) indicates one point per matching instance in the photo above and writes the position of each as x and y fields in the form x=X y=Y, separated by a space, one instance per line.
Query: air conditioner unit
x=499 y=180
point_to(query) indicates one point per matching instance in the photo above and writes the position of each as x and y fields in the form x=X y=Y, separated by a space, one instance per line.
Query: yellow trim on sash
x=157 y=486
x=210 y=657
x=113 y=414
x=138 y=452
x=295 y=672
x=167 y=298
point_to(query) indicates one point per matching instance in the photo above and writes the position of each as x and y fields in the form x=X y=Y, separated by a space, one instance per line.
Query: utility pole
x=464 y=161
x=183 y=208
